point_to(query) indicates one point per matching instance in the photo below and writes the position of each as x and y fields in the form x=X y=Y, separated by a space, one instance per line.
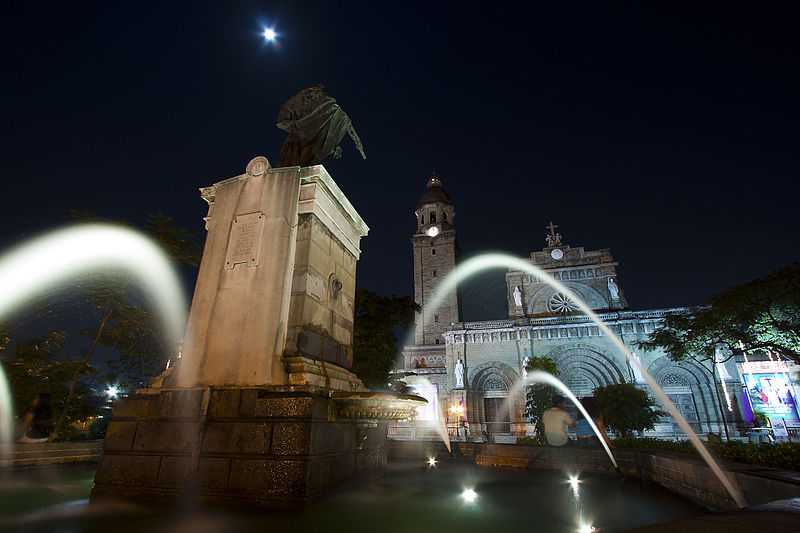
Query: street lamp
x=457 y=410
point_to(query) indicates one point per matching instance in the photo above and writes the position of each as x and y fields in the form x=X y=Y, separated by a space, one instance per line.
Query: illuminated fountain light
x=574 y=482
x=432 y=462
x=469 y=495
x=586 y=528
x=494 y=260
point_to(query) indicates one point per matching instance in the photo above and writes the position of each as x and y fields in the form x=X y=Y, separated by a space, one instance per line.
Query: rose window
x=560 y=303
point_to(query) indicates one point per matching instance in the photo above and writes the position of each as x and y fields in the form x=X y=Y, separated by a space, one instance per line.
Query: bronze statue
x=316 y=125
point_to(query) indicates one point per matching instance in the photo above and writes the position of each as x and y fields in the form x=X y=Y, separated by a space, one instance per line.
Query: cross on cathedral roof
x=552 y=238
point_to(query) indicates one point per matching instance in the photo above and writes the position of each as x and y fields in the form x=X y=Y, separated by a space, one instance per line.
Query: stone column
x=238 y=321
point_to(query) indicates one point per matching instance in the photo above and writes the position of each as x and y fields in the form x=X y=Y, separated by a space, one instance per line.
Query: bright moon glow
x=112 y=392
x=270 y=35
x=469 y=495
x=431 y=461
x=433 y=231
x=57 y=258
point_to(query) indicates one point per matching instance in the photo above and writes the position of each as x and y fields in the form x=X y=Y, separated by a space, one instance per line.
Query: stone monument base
x=271 y=446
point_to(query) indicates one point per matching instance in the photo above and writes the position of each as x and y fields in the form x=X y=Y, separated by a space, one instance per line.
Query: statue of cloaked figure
x=316 y=125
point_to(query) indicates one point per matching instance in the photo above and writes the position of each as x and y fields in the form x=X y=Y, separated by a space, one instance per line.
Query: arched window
x=444 y=216
x=433 y=217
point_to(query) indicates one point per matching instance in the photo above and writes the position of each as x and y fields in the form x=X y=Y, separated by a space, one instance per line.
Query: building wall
x=434 y=259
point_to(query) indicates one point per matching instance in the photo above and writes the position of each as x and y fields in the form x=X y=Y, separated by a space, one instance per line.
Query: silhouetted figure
x=584 y=432
x=37 y=423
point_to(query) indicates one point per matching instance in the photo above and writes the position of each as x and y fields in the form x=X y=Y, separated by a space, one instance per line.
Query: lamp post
x=457 y=410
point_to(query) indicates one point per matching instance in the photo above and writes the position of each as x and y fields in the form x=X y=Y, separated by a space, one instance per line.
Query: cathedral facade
x=472 y=369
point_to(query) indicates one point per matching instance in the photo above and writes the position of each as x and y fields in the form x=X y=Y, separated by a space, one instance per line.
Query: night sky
x=669 y=135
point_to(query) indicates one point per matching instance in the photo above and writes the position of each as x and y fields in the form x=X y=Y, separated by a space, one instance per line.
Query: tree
x=762 y=315
x=539 y=397
x=120 y=322
x=39 y=366
x=627 y=408
x=376 y=321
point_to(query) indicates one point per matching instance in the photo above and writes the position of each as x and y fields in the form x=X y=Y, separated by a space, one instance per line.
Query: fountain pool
x=411 y=496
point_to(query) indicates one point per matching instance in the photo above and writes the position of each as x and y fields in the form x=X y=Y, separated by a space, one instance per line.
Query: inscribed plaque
x=245 y=239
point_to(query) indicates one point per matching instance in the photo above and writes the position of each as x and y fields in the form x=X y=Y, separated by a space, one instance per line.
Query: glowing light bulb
x=469 y=496
x=270 y=35
x=432 y=462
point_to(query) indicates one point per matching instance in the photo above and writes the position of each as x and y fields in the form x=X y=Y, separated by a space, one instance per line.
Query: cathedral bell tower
x=435 y=252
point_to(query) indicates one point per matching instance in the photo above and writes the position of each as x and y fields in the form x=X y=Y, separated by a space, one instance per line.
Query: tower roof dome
x=434 y=193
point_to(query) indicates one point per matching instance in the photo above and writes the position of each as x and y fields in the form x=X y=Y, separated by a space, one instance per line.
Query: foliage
x=539 y=397
x=531 y=441
x=781 y=455
x=760 y=315
x=376 y=319
x=38 y=366
x=117 y=320
x=627 y=408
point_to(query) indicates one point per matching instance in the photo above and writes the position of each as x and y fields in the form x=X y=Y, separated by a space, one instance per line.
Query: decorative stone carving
x=561 y=303
x=494 y=383
x=673 y=380
x=257 y=166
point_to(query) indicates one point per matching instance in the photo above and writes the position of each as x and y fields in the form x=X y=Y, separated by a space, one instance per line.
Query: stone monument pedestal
x=275 y=447
x=262 y=407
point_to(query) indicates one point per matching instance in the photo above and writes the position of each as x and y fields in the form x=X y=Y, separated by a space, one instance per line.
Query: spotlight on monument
x=469 y=496
x=270 y=35
x=432 y=462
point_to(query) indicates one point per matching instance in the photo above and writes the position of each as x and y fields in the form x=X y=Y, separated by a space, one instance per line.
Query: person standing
x=556 y=422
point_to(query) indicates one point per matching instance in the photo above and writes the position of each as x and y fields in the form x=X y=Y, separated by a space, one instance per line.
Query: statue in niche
x=525 y=361
x=316 y=125
x=613 y=289
x=517 y=296
x=636 y=366
x=458 y=374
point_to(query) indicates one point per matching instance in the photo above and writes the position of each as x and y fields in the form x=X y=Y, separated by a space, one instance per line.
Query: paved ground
x=776 y=517
x=50 y=453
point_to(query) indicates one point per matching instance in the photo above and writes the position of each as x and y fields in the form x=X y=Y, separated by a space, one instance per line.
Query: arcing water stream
x=548 y=379
x=438 y=421
x=495 y=260
x=57 y=257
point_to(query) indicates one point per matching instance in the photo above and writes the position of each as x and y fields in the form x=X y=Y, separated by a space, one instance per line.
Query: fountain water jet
x=538 y=376
x=497 y=260
x=6 y=418
x=29 y=269
x=439 y=424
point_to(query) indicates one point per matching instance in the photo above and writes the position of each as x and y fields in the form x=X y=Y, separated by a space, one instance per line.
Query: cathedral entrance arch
x=491 y=385
x=689 y=387
x=583 y=368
